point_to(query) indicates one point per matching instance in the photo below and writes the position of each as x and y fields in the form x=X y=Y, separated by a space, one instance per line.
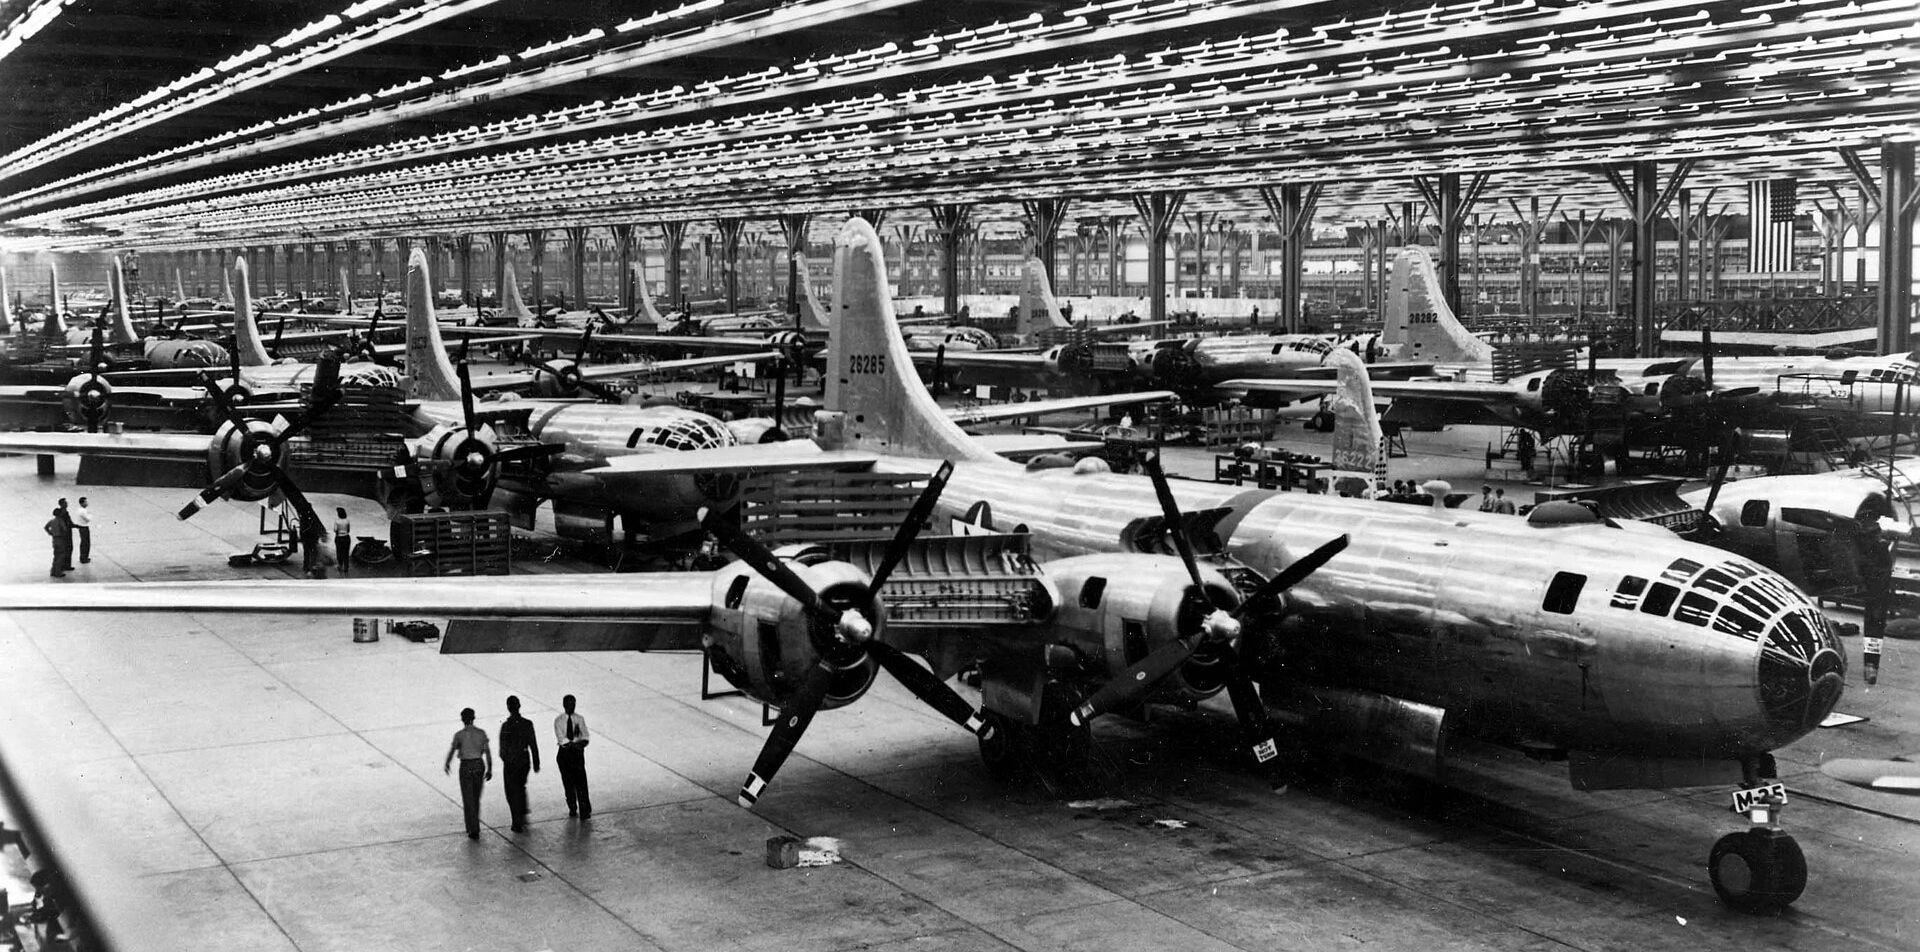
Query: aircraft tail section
x=1359 y=447
x=179 y=288
x=6 y=304
x=1038 y=309
x=123 y=332
x=1418 y=324
x=346 y=293
x=877 y=401
x=511 y=307
x=55 y=327
x=813 y=317
x=643 y=297
x=226 y=289
x=246 y=334
x=429 y=371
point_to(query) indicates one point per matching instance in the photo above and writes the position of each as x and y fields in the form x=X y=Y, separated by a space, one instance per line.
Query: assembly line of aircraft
x=1643 y=660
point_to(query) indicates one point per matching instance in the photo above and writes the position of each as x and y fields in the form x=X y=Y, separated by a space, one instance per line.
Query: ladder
x=1832 y=448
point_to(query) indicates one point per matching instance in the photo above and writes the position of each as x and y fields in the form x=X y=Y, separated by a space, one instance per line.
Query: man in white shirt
x=570 y=732
x=83 y=521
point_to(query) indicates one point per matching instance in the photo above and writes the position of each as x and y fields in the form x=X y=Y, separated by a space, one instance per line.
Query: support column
x=463 y=244
x=1200 y=223
x=577 y=262
x=1898 y=198
x=902 y=281
x=624 y=237
x=730 y=259
x=1043 y=217
x=874 y=215
x=1450 y=205
x=1533 y=227
x=950 y=223
x=438 y=263
x=1115 y=228
x=674 y=234
x=1158 y=211
x=498 y=240
x=1292 y=206
x=1583 y=231
x=537 y=266
x=793 y=227
x=1645 y=201
x=1616 y=232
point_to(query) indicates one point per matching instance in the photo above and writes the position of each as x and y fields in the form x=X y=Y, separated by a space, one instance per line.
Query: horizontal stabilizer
x=1893 y=776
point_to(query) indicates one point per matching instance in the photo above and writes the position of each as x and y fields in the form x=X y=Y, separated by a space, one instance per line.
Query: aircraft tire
x=1757 y=870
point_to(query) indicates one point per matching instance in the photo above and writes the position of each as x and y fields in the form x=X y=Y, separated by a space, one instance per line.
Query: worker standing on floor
x=476 y=768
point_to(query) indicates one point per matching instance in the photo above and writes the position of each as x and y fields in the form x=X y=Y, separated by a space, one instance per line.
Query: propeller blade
x=727 y=529
x=1171 y=511
x=1255 y=729
x=1293 y=574
x=216 y=489
x=794 y=718
x=1141 y=677
x=1727 y=454
x=580 y=351
x=1815 y=519
x=780 y=399
x=928 y=687
x=903 y=536
x=1706 y=353
x=466 y=397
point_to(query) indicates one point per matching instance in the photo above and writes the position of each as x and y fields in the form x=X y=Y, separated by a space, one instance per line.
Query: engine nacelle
x=763 y=641
x=1115 y=609
x=230 y=448
x=86 y=399
x=558 y=378
x=1398 y=734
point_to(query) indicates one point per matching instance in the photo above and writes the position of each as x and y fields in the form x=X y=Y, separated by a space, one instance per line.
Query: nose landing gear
x=1759 y=869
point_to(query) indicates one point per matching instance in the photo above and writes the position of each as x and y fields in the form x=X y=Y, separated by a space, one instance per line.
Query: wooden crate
x=454 y=543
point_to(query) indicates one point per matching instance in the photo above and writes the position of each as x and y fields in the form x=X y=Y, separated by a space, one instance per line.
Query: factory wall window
x=1754 y=513
x=1090 y=593
x=1564 y=592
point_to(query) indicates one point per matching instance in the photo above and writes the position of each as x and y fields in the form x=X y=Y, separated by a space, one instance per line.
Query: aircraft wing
x=573 y=333
x=1015 y=411
x=1897 y=776
x=1382 y=389
x=656 y=366
x=1030 y=362
x=157 y=446
x=790 y=455
x=657 y=611
x=188 y=395
x=1107 y=329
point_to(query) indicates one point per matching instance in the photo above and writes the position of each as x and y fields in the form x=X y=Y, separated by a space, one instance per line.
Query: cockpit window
x=1681 y=570
x=1627 y=594
x=1754 y=513
x=1564 y=592
x=1715 y=580
x=1696 y=609
x=1659 y=599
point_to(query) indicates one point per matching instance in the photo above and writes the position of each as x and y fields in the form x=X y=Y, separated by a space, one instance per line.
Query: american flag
x=1770 y=208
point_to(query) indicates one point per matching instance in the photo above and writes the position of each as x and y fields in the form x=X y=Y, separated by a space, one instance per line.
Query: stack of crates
x=454 y=543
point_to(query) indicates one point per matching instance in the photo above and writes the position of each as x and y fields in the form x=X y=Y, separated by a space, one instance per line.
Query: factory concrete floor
x=268 y=783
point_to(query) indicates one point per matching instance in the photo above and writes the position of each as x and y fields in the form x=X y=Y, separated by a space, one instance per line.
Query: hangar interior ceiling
x=208 y=123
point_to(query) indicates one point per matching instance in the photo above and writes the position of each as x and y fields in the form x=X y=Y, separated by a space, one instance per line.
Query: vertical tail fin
x=1358 y=445
x=6 y=303
x=643 y=297
x=123 y=332
x=226 y=289
x=873 y=390
x=429 y=372
x=511 y=306
x=813 y=317
x=1038 y=309
x=1418 y=321
x=55 y=329
x=246 y=334
x=179 y=288
x=346 y=293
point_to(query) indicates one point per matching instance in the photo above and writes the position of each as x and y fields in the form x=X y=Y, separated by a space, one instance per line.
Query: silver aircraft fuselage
x=1621 y=642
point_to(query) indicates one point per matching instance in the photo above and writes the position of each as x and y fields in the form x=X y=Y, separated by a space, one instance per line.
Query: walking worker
x=62 y=543
x=519 y=749
x=570 y=730
x=83 y=524
x=342 y=537
x=476 y=768
x=66 y=530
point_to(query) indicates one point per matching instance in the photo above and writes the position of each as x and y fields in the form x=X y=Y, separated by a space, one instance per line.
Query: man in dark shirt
x=519 y=749
x=476 y=768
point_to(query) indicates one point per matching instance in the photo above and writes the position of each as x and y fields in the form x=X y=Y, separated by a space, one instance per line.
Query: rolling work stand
x=454 y=543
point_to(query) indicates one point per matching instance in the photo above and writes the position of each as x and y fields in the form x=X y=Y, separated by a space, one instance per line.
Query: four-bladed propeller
x=842 y=625
x=1216 y=633
x=94 y=393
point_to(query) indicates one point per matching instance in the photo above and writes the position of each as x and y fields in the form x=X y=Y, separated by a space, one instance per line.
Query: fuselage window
x=736 y=592
x=634 y=440
x=1533 y=385
x=1754 y=513
x=1090 y=593
x=1659 y=599
x=1564 y=592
